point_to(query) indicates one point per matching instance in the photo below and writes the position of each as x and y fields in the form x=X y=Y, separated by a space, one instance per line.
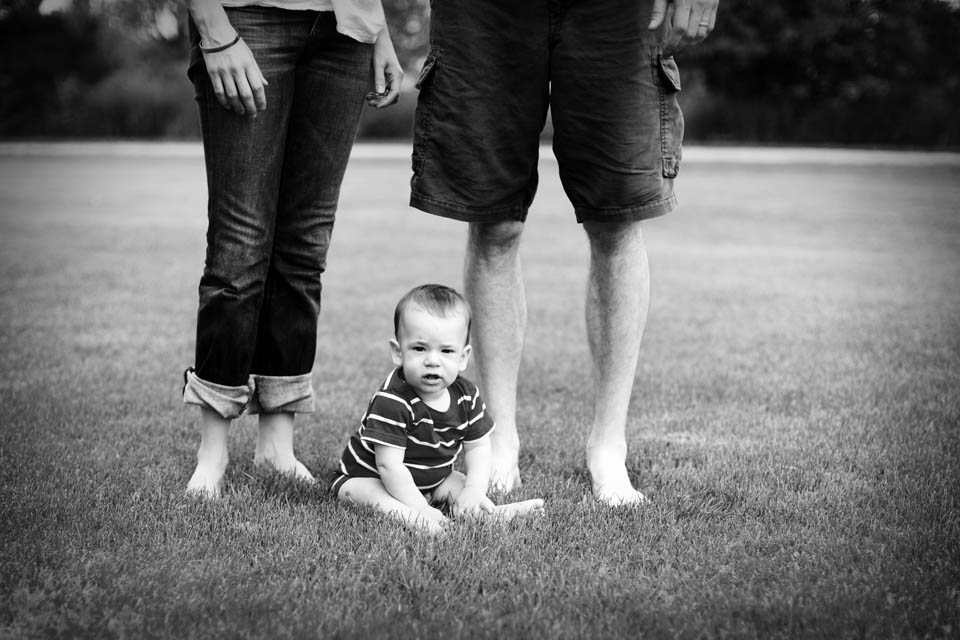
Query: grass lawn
x=796 y=416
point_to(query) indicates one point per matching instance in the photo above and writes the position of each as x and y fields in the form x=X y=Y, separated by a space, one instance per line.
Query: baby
x=421 y=419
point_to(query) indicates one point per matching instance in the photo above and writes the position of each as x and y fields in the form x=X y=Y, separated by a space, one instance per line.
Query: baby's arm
x=473 y=499
x=399 y=483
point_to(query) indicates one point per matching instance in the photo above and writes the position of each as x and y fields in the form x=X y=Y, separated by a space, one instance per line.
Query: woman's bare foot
x=207 y=479
x=275 y=447
x=212 y=456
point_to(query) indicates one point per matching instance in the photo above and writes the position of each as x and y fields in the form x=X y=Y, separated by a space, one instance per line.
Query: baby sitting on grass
x=420 y=420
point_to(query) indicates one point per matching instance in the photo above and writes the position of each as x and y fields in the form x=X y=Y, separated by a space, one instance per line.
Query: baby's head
x=437 y=300
x=432 y=334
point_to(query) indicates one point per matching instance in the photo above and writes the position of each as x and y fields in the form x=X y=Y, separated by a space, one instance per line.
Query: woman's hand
x=387 y=73
x=237 y=81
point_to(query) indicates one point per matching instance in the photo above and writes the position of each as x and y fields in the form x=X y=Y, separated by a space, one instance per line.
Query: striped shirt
x=432 y=439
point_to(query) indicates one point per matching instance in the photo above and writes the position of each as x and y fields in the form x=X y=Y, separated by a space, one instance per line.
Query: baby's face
x=431 y=349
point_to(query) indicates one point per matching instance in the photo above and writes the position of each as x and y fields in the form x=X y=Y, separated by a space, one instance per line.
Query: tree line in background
x=849 y=72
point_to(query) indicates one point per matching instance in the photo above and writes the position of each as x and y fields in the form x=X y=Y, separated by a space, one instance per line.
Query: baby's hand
x=472 y=501
x=431 y=520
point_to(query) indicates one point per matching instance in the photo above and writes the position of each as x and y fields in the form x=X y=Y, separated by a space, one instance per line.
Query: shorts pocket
x=671 y=118
x=423 y=119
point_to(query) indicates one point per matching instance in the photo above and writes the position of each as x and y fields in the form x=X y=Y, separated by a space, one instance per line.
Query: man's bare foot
x=504 y=466
x=611 y=484
x=507 y=512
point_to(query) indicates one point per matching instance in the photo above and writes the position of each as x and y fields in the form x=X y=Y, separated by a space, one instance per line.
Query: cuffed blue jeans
x=273 y=185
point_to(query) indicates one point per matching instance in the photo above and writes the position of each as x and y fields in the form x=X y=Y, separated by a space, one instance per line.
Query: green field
x=795 y=420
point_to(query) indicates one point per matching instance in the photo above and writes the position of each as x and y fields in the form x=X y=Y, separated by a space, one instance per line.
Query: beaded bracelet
x=221 y=47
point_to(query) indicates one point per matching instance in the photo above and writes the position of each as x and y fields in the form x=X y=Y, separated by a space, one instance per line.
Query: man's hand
x=690 y=20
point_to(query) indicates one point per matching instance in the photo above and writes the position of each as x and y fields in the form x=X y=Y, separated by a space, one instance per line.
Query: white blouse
x=362 y=20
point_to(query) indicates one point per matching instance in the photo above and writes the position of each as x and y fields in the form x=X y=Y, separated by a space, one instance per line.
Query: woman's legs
x=212 y=456
x=245 y=160
x=331 y=80
x=274 y=182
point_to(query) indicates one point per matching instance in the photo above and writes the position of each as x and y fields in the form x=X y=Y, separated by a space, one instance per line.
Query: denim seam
x=659 y=207
x=228 y=401
x=460 y=212
x=663 y=97
x=299 y=397
x=655 y=67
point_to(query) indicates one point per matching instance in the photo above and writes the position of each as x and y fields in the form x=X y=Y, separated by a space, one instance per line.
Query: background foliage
x=860 y=72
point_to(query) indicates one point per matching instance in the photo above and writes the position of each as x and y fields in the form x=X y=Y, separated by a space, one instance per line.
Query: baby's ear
x=395 y=352
x=465 y=357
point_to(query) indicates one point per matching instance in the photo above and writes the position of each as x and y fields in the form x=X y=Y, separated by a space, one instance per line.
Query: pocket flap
x=669 y=72
x=429 y=70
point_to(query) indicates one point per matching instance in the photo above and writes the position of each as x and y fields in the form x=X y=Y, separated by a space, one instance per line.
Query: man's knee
x=490 y=239
x=614 y=237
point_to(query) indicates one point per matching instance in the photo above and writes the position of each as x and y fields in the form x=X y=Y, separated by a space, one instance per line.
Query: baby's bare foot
x=507 y=512
x=430 y=527
x=430 y=521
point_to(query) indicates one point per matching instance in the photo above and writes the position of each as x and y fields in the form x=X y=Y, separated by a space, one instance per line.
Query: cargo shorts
x=493 y=69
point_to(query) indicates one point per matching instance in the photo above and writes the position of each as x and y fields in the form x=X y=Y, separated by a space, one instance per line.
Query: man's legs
x=618 y=296
x=493 y=284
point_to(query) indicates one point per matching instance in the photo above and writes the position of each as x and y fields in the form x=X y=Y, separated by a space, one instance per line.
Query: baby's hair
x=438 y=299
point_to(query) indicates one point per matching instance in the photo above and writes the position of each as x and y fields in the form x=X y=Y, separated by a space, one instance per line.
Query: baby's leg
x=507 y=512
x=451 y=487
x=448 y=490
x=372 y=493
x=212 y=457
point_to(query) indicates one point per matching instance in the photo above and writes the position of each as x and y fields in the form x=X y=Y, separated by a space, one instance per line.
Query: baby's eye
x=448 y=351
x=418 y=348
